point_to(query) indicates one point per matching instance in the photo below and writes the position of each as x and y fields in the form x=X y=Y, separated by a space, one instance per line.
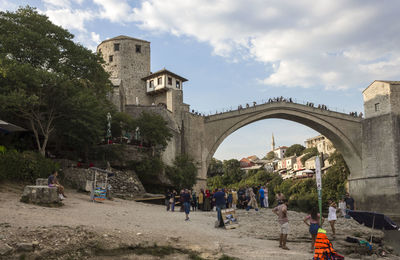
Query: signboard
x=319 y=185
x=230 y=219
x=318 y=173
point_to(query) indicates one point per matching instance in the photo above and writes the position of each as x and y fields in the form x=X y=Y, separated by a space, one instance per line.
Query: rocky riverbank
x=122 y=229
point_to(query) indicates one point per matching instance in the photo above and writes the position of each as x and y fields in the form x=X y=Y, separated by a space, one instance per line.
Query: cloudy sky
x=239 y=51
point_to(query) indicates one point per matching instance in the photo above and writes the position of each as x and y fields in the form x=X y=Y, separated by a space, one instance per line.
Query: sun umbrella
x=373 y=220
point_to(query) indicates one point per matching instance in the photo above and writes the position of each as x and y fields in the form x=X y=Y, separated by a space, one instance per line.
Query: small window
x=151 y=83
x=169 y=81
x=159 y=81
x=178 y=84
x=99 y=50
x=116 y=46
x=138 y=48
x=110 y=58
x=377 y=107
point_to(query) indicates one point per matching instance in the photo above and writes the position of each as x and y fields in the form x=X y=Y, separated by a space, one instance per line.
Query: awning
x=9 y=128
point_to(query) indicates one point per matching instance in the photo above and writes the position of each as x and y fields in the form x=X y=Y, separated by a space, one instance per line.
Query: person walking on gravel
x=281 y=212
x=186 y=203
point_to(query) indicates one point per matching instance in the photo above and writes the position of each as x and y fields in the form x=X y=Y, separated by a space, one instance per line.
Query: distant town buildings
x=292 y=166
x=323 y=144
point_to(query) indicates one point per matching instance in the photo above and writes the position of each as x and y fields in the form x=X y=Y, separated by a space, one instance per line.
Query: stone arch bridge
x=370 y=145
x=342 y=129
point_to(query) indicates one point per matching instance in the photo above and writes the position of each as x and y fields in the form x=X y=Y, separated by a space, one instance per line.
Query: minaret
x=273 y=143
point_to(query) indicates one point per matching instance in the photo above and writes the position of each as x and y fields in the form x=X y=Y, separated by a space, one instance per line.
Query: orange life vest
x=323 y=249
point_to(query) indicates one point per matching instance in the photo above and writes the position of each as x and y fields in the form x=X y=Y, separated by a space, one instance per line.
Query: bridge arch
x=343 y=130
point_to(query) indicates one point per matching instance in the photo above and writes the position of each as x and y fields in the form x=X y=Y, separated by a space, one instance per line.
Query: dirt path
x=132 y=223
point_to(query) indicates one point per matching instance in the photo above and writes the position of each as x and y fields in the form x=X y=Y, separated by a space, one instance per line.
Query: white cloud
x=114 y=10
x=331 y=44
x=70 y=19
x=7 y=5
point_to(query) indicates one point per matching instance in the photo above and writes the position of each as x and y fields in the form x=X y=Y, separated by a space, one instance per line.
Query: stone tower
x=127 y=60
x=380 y=149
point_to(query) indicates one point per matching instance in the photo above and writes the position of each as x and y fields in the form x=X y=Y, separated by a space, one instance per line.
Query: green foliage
x=122 y=122
x=147 y=170
x=302 y=193
x=309 y=153
x=2 y=149
x=232 y=171
x=334 y=180
x=26 y=166
x=183 y=173
x=296 y=149
x=270 y=155
x=56 y=86
x=107 y=152
x=154 y=129
x=215 y=168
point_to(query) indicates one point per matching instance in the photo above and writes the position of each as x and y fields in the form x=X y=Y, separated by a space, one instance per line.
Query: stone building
x=323 y=144
x=137 y=89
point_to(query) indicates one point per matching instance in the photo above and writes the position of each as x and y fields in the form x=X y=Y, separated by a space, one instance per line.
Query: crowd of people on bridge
x=271 y=100
x=247 y=198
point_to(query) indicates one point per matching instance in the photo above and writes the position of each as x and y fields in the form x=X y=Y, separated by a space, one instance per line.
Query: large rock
x=41 y=195
x=41 y=182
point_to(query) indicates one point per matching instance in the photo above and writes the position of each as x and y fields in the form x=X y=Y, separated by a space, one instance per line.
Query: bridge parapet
x=285 y=105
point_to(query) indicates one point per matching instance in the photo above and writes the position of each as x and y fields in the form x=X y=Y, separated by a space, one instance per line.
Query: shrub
x=148 y=170
x=26 y=166
x=183 y=173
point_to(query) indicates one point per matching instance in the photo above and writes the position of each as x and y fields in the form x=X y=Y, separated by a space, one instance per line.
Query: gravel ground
x=121 y=223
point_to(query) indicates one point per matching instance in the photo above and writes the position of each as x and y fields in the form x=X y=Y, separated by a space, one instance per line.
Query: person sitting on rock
x=53 y=182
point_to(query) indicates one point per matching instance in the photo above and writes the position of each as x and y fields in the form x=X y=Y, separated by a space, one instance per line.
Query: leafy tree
x=49 y=81
x=122 y=122
x=308 y=153
x=154 y=129
x=270 y=155
x=215 y=168
x=183 y=173
x=295 y=149
x=232 y=171
x=148 y=170
x=334 y=180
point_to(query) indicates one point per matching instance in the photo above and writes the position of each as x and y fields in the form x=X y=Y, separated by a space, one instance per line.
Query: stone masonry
x=370 y=146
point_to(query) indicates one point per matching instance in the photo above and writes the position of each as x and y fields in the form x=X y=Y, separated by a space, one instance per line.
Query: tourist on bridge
x=281 y=212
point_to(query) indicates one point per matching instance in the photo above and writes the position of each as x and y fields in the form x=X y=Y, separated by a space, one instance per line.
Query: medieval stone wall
x=128 y=64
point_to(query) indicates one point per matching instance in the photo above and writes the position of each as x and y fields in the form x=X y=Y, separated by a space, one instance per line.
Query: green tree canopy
x=232 y=171
x=154 y=129
x=215 y=168
x=50 y=82
x=295 y=149
x=308 y=153
x=270 y=155
x=183 y=174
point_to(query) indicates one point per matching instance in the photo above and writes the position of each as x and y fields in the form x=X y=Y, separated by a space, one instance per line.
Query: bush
x=183 y=173
x=25 y=167
x=148 y=170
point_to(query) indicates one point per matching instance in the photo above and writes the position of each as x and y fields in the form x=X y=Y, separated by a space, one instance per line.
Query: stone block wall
x=124 y=184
